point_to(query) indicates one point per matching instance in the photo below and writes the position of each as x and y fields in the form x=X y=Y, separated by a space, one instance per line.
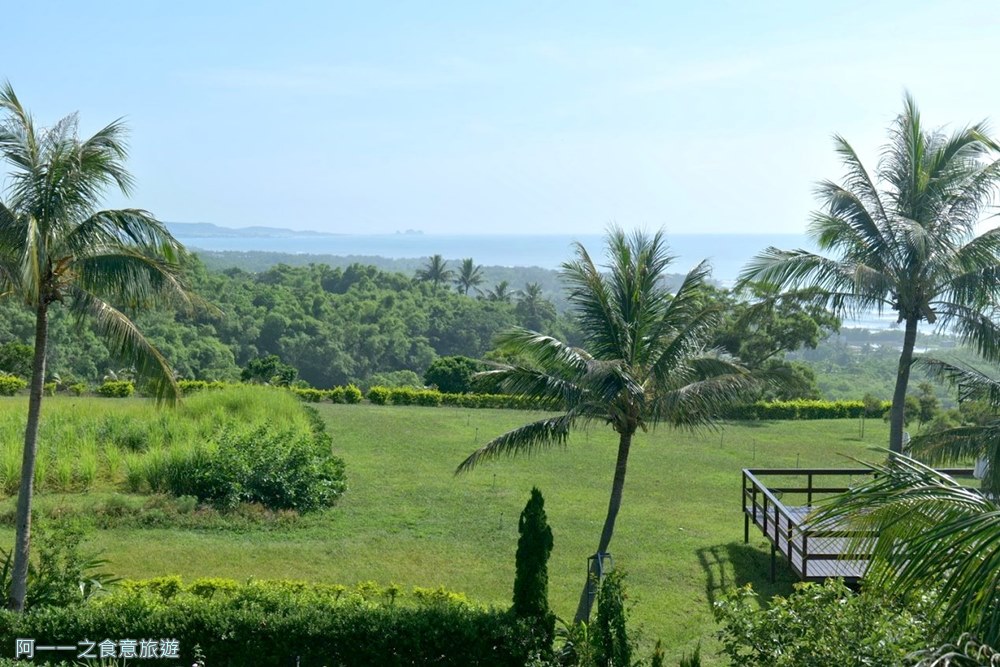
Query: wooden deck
x=814 y=552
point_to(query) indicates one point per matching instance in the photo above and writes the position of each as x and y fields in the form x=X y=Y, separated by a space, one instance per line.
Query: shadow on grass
x=729 y=566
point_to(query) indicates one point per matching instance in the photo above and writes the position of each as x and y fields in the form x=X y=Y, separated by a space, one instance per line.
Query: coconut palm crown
x=644 y=361
x=58 y=247
x=905 y=241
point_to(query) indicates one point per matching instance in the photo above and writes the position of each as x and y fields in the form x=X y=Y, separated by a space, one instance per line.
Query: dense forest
x=358 y=323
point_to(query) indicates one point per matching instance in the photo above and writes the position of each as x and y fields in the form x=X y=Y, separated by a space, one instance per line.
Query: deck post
x=746 y=527
x=809 y=490
x=774 y=550
x=805 y=554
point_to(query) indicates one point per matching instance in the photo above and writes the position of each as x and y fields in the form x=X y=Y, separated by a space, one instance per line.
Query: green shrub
x=818 y=625
x=189 y=387
x=336 y=395
x=309 y=395
x=402 y=395
x=452 y=375
x=49 y=388
x=78 y=388
x=11 y=384
x=379 y=395
x=280 y=469
x=352 y=395
x=427 y=398
x=612 y=644
x=278 y=623
x=116 y=389
x=60 y=573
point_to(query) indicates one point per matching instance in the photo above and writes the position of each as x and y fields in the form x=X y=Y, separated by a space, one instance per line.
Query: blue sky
x=516 y=117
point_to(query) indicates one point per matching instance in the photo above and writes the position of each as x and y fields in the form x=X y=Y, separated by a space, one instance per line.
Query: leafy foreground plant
x=967 y=652
x=63 y=575
x=932 y=534
x=819 y=625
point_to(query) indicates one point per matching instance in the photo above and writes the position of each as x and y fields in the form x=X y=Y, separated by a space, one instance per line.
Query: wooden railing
x=783 y=523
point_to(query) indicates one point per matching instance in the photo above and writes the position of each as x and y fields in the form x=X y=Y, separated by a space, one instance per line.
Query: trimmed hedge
x=116 y=389
x=11 y=384
x=801 y=409
x=189 y=387
x=279 y=623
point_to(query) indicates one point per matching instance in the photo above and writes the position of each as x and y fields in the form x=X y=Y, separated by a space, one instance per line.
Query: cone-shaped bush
x=531 y=578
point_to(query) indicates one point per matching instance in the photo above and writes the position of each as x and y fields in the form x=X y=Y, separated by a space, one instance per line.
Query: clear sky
x=508 y=117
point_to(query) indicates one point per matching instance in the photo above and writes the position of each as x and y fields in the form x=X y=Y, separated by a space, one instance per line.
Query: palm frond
x=126 y=343
x=701 y=402
x=973 y=326
x=956 y=445
x=862 y=189
x=592 y=303
x=524 y=440
x=927 y=532
x=130 y=277
x=858 y=288
x=125 y=227
x=972 y=383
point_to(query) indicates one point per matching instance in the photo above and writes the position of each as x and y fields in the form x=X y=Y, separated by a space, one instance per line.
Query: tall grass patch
x=88 y=443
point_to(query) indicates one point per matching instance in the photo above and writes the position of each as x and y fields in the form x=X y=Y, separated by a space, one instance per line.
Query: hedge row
x=804 y=409
x=798 y=409
x=281 y=623
x=348 y=394
x=433 y=398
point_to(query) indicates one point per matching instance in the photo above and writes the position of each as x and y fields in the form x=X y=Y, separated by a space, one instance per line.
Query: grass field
x=407 y=519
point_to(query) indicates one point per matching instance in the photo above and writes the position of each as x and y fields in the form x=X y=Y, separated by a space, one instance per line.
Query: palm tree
x=905 y=241
x=470 y=276
x=645 y=362
x=436 y=271
x=501 y=293
x=58 y=248
x=533 y=310
x=931 y=535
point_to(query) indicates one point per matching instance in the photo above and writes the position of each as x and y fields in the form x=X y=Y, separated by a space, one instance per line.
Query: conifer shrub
x=531 y=569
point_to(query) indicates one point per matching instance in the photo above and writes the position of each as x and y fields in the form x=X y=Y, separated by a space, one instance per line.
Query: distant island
x=208 y=230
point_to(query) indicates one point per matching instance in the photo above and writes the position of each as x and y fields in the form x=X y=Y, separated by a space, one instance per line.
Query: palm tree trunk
x=614 y=504
x=22 y=542
x=896 y=413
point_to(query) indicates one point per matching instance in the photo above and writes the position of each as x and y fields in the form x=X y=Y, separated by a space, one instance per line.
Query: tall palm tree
x=470 y=276
x=58 y=248
x=435 y=271
x=905 y=241
x=932 y=535
x=645 y=361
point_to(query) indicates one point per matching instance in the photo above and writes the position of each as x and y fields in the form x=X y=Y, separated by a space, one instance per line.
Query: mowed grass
x=408 y=519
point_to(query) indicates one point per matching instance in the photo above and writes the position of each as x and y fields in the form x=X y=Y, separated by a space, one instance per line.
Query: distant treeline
x=516 y=277
x=333 y=325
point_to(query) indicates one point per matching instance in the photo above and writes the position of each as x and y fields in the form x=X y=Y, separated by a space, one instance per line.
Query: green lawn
x=407 y=519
